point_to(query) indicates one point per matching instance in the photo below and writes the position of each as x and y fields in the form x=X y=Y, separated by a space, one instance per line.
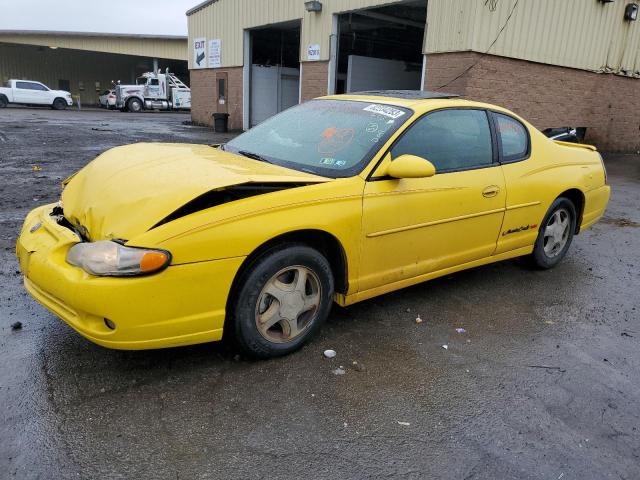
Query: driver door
x=415 y=226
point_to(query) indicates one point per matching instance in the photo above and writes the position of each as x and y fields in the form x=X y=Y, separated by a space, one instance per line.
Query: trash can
x=220 y=122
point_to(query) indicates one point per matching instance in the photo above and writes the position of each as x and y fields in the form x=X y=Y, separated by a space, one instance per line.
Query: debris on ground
x=446 y=347
x=330 y=353
x=549 y=322
x=461 y=330
x=418 y=319
x=547 y=367
x=16 y=326
x=358 y=367
x=339 y=371
x=620 y=222
x=404 y=424
x=36 y=168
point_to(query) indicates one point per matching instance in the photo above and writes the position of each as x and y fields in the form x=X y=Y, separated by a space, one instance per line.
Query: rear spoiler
x=576 y=145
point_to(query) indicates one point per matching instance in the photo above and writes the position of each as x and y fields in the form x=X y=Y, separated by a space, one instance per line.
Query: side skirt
x=346 y=300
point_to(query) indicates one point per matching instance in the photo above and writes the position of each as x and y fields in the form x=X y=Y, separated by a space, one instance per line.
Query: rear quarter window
x=513 y=138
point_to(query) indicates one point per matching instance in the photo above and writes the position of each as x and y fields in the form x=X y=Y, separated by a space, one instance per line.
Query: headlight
x=110 y=259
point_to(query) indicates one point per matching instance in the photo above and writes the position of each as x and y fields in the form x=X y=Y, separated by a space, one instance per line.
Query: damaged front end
x=130 y=190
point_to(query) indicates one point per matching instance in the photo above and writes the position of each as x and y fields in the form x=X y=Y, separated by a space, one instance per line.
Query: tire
x=272 y=314
x=555 y=234
x=134 y=105
x=59 y=104
x=3 y=102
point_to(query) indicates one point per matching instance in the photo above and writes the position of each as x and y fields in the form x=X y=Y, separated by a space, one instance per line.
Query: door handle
x=491 y=191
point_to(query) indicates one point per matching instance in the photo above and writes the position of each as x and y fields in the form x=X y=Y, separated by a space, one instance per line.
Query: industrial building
x=85 y=64
x=570 y=63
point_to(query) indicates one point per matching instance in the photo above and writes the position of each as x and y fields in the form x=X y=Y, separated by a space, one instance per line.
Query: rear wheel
x=134 y=105
x=282 y=301
x=555 y=235
x=3 y=102
x=59 y=104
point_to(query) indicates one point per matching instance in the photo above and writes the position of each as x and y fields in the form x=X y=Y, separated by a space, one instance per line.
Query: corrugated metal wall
x=585 y=34
x=226 y=20
x=81 y=69
x=175 y=49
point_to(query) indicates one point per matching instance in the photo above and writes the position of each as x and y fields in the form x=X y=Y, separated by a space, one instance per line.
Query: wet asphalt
x=543 y=384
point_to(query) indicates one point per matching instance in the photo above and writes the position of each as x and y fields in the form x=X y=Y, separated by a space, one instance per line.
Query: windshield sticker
x=334 y=140
x=341 y=163
x=372 y=127
x=385 y=110
x=327 y=161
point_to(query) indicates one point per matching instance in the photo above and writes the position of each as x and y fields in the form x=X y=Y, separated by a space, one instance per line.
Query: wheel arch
x=2 y=95
x=323 y=241
x=576 y=196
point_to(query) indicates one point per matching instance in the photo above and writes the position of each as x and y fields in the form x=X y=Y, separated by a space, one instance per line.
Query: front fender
x=238 y=228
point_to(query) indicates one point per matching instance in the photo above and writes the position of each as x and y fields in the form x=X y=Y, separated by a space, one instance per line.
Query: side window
x=154 y=82
x=37 y=86
x=23 y=85
x=453 y=139
x=513 y=138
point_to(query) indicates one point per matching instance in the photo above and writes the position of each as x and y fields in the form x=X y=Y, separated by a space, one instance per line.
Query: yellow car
x=342 y=198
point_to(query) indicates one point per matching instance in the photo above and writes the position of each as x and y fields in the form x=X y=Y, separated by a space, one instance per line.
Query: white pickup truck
x=27 y=92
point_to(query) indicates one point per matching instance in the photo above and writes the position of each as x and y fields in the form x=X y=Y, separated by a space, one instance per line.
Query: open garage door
x=275 y=70
x=381 y=48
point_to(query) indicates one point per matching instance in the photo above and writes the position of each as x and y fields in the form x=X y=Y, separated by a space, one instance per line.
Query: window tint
x=37 y=86
x=24 y=85
x=450 y=139
x=514 y=139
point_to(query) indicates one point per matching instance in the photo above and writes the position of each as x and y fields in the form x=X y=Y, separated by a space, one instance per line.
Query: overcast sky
x=159 y=17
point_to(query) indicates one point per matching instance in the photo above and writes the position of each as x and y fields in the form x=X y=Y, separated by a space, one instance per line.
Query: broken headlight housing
x=111 y=259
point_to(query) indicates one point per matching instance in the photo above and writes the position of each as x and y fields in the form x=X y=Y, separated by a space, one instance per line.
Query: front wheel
x=282 y=301
x=555 y=235
x=134 y=105
x=59 y=104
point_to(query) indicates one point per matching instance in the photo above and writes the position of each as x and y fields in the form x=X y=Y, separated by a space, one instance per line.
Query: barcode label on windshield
x=385 y=110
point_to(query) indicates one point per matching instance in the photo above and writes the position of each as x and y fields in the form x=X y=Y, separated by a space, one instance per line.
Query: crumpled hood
x=127 y=190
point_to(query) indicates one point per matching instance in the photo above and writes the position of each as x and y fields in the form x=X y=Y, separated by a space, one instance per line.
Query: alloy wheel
x=556 y=232
x=288 y=304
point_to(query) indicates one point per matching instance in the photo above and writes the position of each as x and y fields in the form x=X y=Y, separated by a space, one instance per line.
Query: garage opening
x=275 y=70
x=381 y=48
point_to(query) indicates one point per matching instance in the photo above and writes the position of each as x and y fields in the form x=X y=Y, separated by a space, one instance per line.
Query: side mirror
x=411 y=166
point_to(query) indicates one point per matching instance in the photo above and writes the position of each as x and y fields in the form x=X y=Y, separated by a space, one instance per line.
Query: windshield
x=332 y=138
x=141 y=81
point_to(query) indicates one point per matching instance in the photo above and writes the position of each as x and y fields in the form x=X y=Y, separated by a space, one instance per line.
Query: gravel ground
x=544 y=384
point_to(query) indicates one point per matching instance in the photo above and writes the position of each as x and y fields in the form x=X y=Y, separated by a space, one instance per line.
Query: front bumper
x=182 y=305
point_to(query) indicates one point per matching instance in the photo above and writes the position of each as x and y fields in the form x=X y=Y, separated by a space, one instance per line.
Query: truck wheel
x=59 y=104
x=134 y=105
x=3 y=102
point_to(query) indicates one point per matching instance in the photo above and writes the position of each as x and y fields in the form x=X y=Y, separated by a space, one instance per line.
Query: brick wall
x=547 y=96
x=315 y=78
x=204 y=93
